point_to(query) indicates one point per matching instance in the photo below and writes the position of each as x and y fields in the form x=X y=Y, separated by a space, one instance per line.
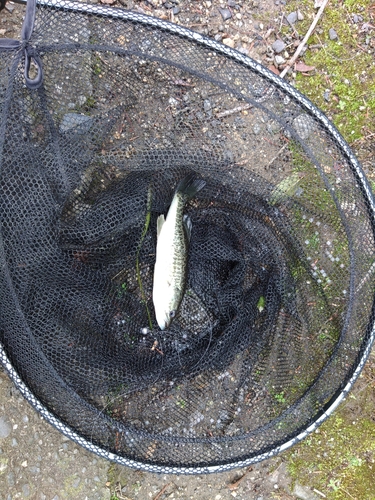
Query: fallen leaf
x=302 y=67
x=274 y=69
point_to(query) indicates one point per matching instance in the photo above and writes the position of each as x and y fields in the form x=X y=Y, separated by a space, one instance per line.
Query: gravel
x=278 y=46
x=225 y=14
x=292 y=17
x=5 y=427
x=332 y=34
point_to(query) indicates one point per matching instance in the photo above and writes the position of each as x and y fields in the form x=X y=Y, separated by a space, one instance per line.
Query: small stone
x=332 y=34
x=218 y=37
x=76 y=482
x=304 y=126
x=207 y=105
x=9 y=7
x=278 y=46
x=243 y=50
x=355 y=18
x=231 y=3
x=304 y=493
x=327 y=95
x=256 y=129
x=292 y=17
x=300 y=16
x=5 y=427
x=81 y=123
x=279 y=60
x=11 y=479
x=2 y=32
x=173 y=102
x=24 y=463
x=176 y=10
x=26 y=490
x=229 y=42
x=225 y=14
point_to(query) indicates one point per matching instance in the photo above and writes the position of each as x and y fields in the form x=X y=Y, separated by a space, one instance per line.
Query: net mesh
x=277 y=311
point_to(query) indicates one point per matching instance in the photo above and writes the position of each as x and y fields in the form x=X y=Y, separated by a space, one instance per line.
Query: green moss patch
x=345 y=68
x=339 y=459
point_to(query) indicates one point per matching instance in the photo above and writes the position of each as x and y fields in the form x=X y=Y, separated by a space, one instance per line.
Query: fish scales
x=172 y=251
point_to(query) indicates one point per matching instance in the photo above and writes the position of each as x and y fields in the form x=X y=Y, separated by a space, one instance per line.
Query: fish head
x=166 y=319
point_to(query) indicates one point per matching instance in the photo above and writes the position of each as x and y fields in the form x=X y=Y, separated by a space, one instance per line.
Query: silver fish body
x=171 y=253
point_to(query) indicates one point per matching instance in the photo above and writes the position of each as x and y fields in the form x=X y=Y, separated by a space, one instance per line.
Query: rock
x=231 y=3
x=278 y=46
x=11 y=479
x=279 y=60
x=304 y=493
x=218 y=37
x=300 y=16
x=355 y=18
x=207 y=105
x=176 y=10
x=5 y=427
x=229 y=42
x=26 y=490
x=225 y=14
x=292 y=17
x=257 y=129
x=326 y=95
x=332 y=34
x=81 y=123
x=9 y=7
x=243 y=50
x=304 y=125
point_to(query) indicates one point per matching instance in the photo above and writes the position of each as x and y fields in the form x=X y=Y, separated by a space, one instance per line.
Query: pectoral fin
x=188 y=226
x=159 y=224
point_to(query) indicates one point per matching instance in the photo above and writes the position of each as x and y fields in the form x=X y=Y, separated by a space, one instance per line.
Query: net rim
x=365 y=349
x=166 y=469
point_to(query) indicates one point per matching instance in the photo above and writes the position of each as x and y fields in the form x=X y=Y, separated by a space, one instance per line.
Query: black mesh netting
x=276 y=317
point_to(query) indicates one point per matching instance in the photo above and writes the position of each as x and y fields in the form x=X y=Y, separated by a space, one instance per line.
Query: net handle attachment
x=29 y=52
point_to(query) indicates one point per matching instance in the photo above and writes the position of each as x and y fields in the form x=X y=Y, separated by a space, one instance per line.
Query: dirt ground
x=38 y=462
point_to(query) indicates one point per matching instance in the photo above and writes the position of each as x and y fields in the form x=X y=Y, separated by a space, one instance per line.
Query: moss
x=339 y=459
x=344 y=66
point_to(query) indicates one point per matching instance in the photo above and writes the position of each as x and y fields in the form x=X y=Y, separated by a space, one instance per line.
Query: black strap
x=30 y=52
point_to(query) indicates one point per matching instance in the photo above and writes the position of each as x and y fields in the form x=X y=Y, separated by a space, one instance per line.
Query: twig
x=147 y=223
x=278 y=154
x=232 y=111
x=319 y=493
x=304 y=41
x=161 y=491
x=233 y=486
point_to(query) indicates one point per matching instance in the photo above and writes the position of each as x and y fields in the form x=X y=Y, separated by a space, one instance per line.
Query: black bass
x=171 y=252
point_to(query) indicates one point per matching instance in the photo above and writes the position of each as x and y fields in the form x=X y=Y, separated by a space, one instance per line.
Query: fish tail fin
x=190 y=185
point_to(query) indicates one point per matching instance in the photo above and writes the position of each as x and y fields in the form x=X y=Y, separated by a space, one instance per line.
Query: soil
x=38 y=462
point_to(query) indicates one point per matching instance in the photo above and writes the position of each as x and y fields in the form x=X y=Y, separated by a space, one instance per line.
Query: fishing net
x=103 y=112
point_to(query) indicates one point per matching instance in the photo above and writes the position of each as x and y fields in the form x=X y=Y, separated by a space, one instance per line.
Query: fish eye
x=172 y=314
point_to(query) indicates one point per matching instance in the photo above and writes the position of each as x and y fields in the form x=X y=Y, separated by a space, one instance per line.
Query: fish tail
x=189 y=186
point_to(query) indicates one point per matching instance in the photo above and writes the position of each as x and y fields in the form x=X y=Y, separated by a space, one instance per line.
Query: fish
x=173 y=239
